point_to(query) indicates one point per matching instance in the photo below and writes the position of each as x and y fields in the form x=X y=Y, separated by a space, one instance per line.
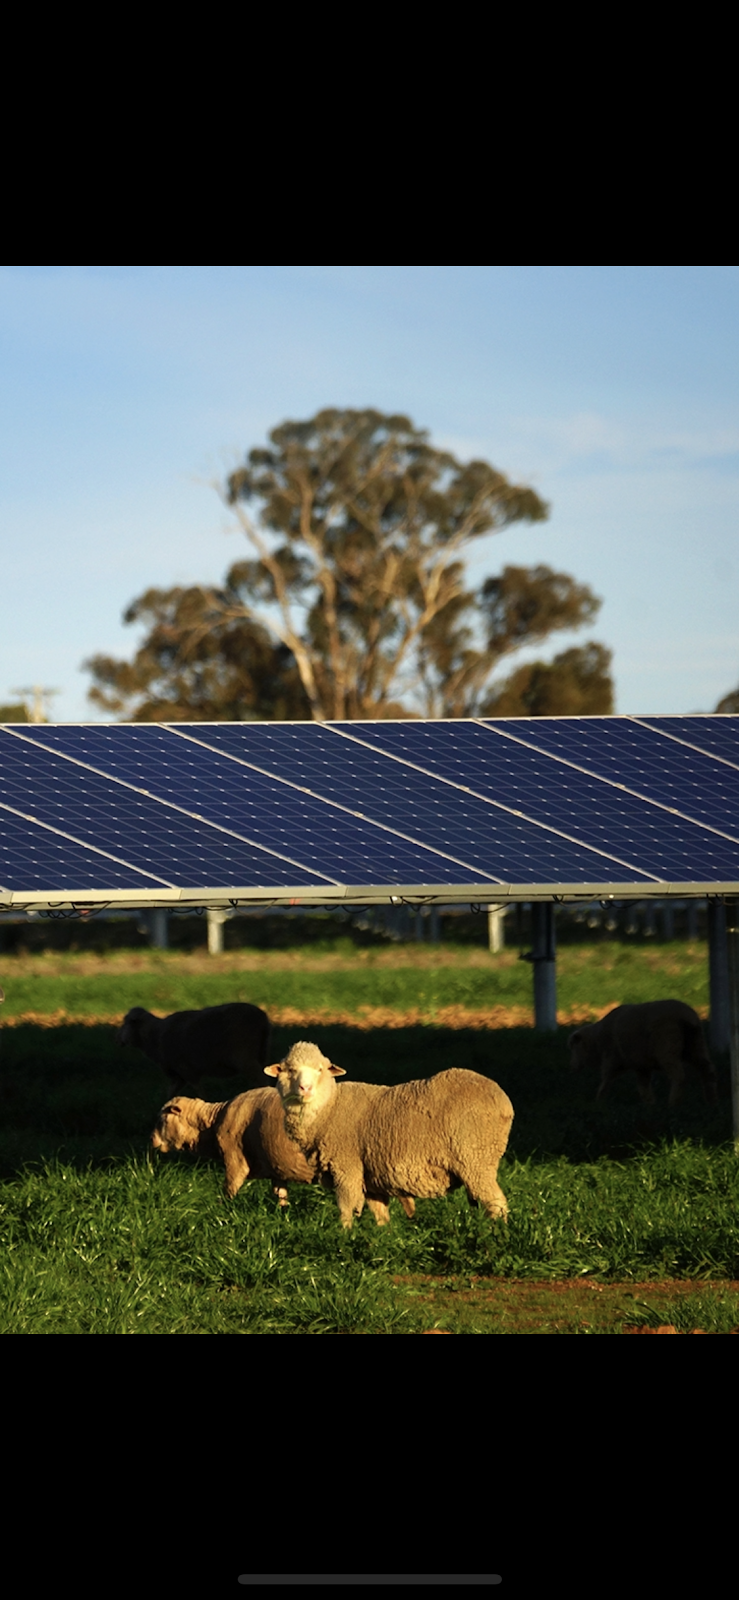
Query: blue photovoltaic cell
x=328 y=844
x=598 y=814
x=157 y=839
x=488 y=841
x=625 y=752
x=718 y=736
x=32 y=858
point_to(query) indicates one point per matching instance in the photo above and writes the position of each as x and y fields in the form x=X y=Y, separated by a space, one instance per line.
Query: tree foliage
x=195 y=667
x=576 y=683
x=358 y=531
x=730 y=702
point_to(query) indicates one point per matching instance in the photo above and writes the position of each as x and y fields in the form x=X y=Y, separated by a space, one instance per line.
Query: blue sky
x=125 y=392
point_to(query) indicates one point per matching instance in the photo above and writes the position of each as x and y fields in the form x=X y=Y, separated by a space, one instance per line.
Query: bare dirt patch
x=518 y=1305
x=364 y=1017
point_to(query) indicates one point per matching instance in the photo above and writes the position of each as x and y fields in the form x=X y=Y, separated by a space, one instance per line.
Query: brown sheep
x=249 y=1133
x=417 y=1139
x=661 y=1035
x=217 y=1042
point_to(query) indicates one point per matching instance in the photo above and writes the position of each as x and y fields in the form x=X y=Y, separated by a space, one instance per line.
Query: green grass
x=148 y=1246
x=100 y=1236
x=340 y=978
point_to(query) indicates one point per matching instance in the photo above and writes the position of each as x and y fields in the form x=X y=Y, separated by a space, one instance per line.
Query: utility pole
x=35 y=700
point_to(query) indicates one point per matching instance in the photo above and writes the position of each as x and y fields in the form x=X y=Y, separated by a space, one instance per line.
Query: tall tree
x=358 y=529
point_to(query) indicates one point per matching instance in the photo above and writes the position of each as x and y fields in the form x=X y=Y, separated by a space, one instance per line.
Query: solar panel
x=601 y=814
x=471 y=833
x=326 y=844
x=678 y=776
x=314 y=812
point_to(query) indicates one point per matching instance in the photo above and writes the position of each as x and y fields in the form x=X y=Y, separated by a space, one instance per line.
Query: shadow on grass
x=71 y=1092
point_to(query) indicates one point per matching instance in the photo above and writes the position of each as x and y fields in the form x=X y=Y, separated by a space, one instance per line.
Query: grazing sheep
x=219 y=1041
x=661 y=1034
x=417 y=1139
x=249 y=1133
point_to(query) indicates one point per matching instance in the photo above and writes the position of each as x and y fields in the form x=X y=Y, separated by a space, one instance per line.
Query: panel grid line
x=600 y=777
x=499 y=805
x=699 y=748
x=361 y=816
x=193 y=816
x=83 y=844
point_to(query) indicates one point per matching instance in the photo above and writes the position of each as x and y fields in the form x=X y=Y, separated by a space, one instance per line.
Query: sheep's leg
x=490 y=1197
x=676 y=1075
x=493 y=1200
x=381 y=1210
x=482 y=1186
x=349 y=1195
x=236 y=1164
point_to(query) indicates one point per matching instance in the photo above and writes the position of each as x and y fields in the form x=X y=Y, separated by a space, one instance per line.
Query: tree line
x=353 y=600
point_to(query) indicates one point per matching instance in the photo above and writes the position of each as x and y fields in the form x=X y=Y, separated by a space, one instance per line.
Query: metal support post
x=543 y=956
x=159 y=929
x=732 y=941
x=216 y=920
x=495 y=929
x=718 y=976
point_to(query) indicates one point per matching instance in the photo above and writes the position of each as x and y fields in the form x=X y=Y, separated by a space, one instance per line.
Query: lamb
x=219 y=1041
x=249 y=1133
x=417 y=1139
x=664 y=1034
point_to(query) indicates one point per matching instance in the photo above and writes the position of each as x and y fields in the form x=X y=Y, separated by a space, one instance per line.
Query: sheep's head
x=175 y=1128
x=304 y=1078
x=128 y=1032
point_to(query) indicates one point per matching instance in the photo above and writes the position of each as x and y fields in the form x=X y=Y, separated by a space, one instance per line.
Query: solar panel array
x=207 y=813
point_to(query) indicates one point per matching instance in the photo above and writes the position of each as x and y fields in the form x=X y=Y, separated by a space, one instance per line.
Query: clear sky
x=126 y=391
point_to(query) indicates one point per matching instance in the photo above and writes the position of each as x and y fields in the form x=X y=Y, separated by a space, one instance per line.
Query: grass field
x=339 y=981
x=618 y=1221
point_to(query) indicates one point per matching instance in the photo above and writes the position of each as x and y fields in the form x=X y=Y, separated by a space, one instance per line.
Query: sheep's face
x=580 y=1043
x=304 y=1078
x=128 y=1033
x=174 y=1131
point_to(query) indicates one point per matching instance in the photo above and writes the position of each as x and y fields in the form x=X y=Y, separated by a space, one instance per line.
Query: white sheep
x=219 y=1041
x=417 y=1139
x=249 y=1134
x=659 y=1034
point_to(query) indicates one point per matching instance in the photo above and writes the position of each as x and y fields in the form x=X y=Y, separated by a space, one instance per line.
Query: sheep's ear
x=274 y=1071
x=336 y=1072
